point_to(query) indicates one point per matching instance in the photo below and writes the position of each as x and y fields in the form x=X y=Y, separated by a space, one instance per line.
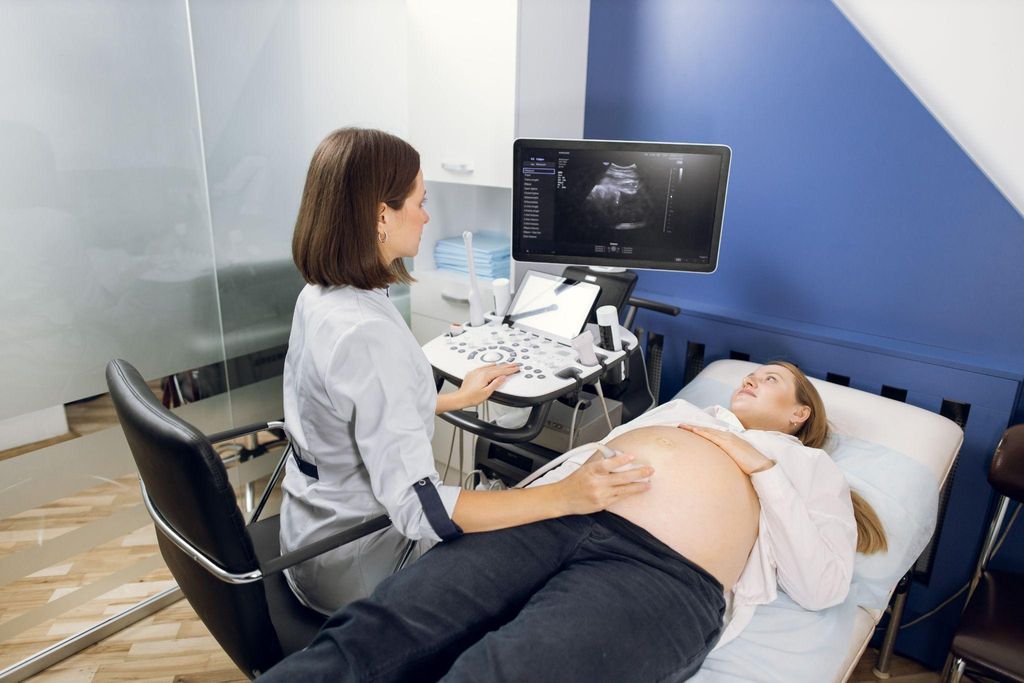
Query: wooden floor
x=171 y=645
x=86 y=587
x=44 y=600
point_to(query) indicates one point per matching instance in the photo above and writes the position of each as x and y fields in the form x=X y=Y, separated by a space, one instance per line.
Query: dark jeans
x=586 y=598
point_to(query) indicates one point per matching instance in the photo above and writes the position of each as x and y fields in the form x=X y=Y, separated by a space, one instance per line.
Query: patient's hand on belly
x=700 y=503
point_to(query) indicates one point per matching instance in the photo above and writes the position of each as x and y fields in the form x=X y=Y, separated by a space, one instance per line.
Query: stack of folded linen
x=491 y=255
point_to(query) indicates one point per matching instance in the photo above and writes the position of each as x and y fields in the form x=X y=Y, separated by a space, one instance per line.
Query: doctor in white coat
x=359 y=394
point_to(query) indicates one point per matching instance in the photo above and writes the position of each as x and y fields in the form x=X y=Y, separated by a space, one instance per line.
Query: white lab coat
x=807 y=536
x=359 y=400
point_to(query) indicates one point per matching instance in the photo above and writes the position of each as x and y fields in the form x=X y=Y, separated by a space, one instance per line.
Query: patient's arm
x=811 y=532
x=807 y=513
x=813 y=543
x=746 y=457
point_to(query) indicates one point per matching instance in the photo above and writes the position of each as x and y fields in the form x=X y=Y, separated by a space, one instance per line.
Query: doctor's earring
x=382 y=237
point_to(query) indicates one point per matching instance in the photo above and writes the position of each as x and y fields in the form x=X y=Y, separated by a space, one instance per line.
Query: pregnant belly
x=700 y=503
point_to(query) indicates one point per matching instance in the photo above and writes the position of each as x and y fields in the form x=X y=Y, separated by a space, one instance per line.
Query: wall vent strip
x=694 y=361
x=955 y=411
x=655 y=350
x=895 y=393
x=841 y=380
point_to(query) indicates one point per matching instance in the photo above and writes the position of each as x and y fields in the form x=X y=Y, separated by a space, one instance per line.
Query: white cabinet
x=462 y=84
x=482 y=73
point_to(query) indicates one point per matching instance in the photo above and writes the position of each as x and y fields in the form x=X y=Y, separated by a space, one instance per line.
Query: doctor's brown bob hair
x=353 y=172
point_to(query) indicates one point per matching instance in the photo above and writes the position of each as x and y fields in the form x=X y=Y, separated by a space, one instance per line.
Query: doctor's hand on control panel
x=477 y=386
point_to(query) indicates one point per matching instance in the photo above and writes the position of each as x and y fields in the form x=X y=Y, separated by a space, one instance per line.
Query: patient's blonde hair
x=814 y=433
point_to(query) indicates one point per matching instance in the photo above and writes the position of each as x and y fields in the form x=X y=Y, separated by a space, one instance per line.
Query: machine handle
x=528 y=432
x=636 y=303
x=656 y=306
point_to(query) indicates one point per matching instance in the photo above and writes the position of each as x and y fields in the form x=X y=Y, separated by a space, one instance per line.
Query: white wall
x=964 y=60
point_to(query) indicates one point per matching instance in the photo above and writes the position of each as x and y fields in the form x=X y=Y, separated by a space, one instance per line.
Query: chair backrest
x=189 y=487
x=1006 y=473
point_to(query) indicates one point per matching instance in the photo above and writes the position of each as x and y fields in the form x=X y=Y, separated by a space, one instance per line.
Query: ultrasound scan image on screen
x=633 y=204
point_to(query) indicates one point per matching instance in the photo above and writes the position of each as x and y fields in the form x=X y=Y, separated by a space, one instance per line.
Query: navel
x=665 y=442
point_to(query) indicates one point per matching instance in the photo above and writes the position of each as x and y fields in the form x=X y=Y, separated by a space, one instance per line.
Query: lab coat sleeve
x=373 y=375
x=812 y=533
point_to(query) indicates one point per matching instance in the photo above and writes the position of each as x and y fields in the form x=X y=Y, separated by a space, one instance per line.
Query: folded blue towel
x=483 y=273
x=491 y=255
x=485 y=245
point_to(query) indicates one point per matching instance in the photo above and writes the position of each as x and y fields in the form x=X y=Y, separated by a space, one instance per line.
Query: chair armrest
x=323 y=545
x=230 y=434
x=272 y=566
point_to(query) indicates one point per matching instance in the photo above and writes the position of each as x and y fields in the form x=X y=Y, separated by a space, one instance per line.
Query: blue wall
x=849 y=206
x=850 y=210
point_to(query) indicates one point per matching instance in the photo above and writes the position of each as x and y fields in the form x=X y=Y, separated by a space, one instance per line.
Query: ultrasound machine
x=600 y=207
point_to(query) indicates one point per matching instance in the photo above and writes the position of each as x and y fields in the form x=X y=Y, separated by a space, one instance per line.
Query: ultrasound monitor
x=647 y=205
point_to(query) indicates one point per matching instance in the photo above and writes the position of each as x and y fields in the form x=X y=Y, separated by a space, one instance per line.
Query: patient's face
x=766 y=399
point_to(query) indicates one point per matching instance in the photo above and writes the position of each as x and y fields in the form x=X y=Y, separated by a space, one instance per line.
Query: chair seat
x=296 y=624
x=991 y=633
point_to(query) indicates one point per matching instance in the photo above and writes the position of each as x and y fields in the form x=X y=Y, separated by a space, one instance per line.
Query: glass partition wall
x=152 y=157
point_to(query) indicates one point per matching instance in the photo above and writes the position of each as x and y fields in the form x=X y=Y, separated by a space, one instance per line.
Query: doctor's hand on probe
x=597 y=484
x=477 y=387
x=592 y=487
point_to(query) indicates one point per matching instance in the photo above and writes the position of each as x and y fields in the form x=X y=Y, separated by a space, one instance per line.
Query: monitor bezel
x=724 y=151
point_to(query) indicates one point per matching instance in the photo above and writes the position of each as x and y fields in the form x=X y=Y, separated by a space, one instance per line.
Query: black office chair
x=229 y=572
x=989 y=640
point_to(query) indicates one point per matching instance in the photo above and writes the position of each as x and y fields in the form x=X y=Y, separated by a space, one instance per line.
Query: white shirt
x=807 y=537
x=359 y=400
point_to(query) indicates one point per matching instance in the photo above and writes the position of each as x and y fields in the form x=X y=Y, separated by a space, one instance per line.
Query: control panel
x=548 y=368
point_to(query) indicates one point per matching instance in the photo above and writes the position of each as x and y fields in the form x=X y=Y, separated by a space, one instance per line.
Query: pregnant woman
x=742 y=502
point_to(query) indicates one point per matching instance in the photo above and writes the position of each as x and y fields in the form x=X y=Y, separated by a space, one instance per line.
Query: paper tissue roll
x=502 y=295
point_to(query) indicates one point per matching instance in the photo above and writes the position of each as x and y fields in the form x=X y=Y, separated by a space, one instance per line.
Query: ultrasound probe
x=609 y=452
x=476 y=309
